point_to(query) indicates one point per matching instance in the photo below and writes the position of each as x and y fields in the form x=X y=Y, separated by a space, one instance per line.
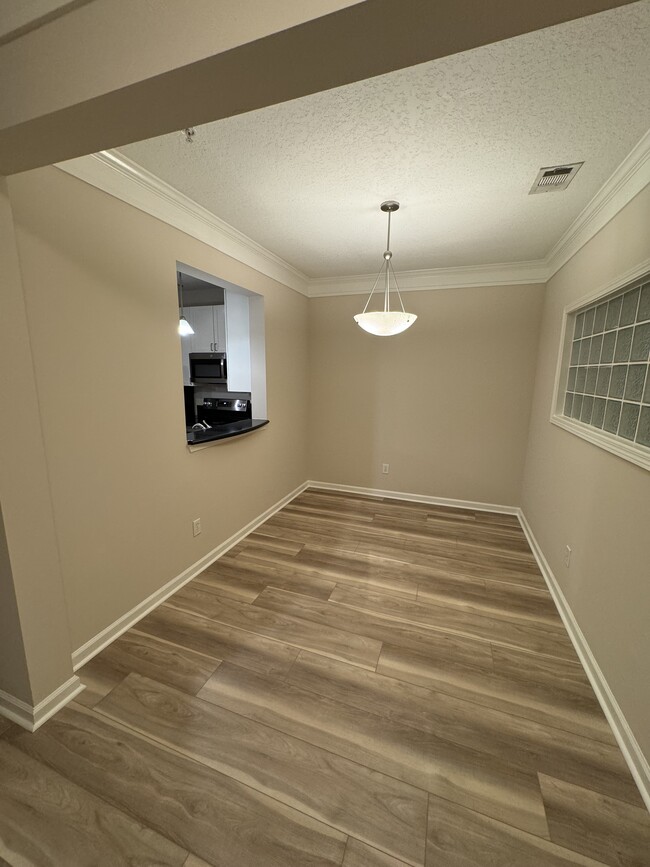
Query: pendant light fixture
x=184 y=327
x=386 y=322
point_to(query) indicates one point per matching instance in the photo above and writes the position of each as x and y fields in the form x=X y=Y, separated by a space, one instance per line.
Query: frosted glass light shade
x=385 y=323
x=184 y=327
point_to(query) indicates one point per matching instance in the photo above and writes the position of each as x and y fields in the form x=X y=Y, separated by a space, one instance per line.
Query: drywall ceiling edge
x=122 y=178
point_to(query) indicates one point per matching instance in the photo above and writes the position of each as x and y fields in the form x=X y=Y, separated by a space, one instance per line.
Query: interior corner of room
x=131 y=457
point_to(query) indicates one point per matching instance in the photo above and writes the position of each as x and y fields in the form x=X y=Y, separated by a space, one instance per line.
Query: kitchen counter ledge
x=197 y=438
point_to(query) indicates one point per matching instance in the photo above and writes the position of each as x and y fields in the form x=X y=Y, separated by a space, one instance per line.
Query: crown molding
x=502 y=274
x=122 y=178
x=626 y=182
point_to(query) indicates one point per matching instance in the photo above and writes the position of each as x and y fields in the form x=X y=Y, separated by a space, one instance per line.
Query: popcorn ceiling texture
x=458 y=141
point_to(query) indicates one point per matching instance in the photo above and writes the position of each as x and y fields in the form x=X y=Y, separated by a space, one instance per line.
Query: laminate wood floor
x=359 y=683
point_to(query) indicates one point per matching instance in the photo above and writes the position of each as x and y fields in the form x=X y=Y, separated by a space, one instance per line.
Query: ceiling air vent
x=554 y=178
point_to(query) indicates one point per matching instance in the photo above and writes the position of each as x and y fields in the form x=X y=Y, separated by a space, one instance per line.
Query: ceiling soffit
x=122 y=88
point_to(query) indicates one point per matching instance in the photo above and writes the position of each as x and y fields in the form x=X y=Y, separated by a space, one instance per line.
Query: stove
x=219 y=411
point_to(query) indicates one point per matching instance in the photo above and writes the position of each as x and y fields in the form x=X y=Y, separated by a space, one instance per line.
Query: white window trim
x=633 y=452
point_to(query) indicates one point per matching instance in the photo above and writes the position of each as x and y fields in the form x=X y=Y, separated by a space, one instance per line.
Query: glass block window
x=606 y=368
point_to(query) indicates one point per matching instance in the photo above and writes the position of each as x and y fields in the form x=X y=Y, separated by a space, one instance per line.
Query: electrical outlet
x=196 y=526
x=567 y=556
x=385 y=468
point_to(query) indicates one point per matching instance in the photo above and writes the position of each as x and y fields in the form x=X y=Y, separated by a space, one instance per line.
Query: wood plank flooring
x=359 y=683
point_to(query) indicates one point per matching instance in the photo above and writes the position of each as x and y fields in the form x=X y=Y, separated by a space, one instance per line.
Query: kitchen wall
x=446 y=404
x=100 y=292
x=577 y=494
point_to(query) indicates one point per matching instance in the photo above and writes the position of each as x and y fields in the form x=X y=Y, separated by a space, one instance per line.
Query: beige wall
x=446 y=404
x=14 y=675
x=34 y=638
x=100 y=289
x=580 y=495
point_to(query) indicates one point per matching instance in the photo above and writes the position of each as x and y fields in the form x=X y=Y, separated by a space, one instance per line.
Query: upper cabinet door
x=200 y=318
x=219 y=314
x=238 y=343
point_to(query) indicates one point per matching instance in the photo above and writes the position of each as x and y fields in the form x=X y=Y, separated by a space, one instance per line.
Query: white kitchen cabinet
x=200 y=318
x=208 y=325
x=238 y=341
x=219 y=314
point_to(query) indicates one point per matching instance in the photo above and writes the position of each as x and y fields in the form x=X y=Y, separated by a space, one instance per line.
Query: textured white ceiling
x=458 y=141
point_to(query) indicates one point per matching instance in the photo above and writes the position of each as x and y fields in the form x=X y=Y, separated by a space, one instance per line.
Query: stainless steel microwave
x=208 y=367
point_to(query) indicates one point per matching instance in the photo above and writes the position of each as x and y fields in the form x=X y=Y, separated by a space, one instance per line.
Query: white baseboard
x=629 y=745
x=31 y=717
x=96 y=644
x=91 y=648
x=414 y=498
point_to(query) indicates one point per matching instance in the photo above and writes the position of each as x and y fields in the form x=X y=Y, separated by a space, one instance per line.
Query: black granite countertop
x=224 y=431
